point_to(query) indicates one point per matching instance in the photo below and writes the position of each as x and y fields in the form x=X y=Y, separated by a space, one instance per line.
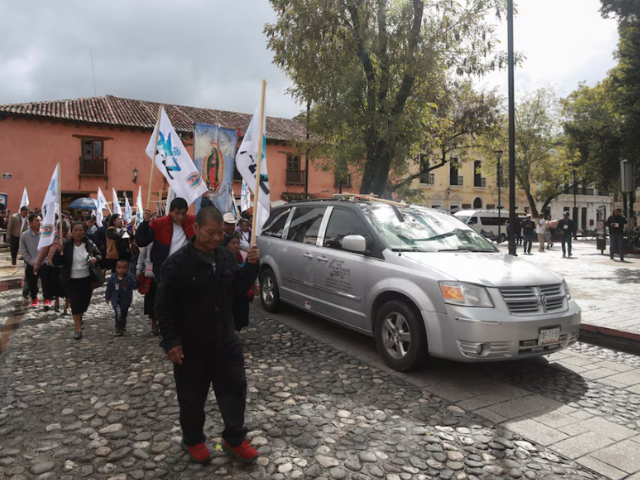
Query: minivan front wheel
x=269 y=295
x=400 y=336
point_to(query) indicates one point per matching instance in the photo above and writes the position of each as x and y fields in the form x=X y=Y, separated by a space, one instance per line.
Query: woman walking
x=76 y=255
x=146 y=280
x=118 y=242
x=49 y=275
x=242 y=303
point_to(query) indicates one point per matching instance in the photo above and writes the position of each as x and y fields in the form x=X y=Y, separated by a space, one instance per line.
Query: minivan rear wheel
x=269 y=294
x=400 y=336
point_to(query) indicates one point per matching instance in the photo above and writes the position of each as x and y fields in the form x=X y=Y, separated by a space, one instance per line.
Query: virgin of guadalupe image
x=214 y=168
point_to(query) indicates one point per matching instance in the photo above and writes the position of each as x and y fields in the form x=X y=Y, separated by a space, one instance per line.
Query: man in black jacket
x=194 y=311
x=565 y=228
x=616 y=223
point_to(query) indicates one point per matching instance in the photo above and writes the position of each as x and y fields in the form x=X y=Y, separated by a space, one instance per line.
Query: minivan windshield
x=423 y=230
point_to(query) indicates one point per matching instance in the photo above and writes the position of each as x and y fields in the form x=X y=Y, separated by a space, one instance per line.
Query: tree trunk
x=532 y=204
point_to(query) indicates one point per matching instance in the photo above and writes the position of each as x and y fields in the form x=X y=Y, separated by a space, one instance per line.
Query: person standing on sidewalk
x=528 y=227
x=17 y=225
x=540 y=230
x=565 y=227
x=29 y=250
x=194 y=309
x=616 y=223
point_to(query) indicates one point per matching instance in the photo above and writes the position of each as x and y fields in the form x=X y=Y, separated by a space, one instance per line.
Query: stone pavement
x=321 y=408
x=606 y=290
x=581 y=404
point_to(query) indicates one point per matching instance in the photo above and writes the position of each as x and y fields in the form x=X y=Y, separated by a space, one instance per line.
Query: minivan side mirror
x=354 y=243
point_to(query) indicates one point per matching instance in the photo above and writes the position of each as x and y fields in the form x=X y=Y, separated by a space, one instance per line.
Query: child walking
x=120 y=293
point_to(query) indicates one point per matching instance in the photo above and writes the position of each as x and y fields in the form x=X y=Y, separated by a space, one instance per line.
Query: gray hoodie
x=29 y=246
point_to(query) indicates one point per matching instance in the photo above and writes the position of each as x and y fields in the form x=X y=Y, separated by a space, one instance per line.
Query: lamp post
x=575 y=202
x=448 y=201
x=135 y=175
x=512 y=132
x=498 y=154
x=306 y=156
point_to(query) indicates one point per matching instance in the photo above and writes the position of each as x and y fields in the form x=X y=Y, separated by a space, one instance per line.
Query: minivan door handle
x=323 y=259
x=307 y=255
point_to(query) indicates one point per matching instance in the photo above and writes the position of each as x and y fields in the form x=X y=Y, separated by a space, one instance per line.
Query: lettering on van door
x=339 y=277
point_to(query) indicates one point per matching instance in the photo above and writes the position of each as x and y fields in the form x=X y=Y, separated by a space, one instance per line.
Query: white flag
x=49 y=208
x=245 y=198
x=25 y=199
x=102 y=205
x=246 y=163
x=128 y=212
x=170 y=196
x=116 y=204
x=139 y=207
x=232 y=207
x=174 y=162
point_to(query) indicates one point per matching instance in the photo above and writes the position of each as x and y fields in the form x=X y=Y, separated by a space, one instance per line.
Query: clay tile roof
x=125 y=112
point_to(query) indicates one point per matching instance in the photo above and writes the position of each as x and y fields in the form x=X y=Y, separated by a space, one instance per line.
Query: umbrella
x=84 y=204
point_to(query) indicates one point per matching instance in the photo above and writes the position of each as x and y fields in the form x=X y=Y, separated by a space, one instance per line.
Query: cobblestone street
x=320 y=406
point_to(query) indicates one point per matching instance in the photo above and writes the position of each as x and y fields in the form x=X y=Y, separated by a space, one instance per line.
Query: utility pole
x=499 y=156
x=512 y=133
x=306 y=160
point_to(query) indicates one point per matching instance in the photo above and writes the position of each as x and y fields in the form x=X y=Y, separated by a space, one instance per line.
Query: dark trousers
x=121 y=316
x=14 y=245
x=193 y=379
x=150 y=300
x=528 y=242
x=566 y=243
x=32 y=281
x=46 y=274
x=617 y=244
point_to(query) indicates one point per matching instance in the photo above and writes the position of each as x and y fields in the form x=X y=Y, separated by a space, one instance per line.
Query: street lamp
x=512 y=132
x=135 y=175
x=498 y=154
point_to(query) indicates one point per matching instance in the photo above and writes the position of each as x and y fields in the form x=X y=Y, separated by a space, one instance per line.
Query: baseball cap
x=566 y=213
x=229 y=218
x=528 y=214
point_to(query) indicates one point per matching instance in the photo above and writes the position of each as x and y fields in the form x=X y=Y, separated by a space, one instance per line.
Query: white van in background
x=486 y=222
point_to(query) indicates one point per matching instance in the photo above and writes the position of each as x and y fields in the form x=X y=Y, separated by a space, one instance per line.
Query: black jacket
x=565 y=223
x=620 y=221
x=194 y=301
x=528 y=227
x=122 y=244
x=67 y=259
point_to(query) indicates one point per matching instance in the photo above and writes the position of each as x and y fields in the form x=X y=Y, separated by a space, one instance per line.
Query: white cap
x=229 y=218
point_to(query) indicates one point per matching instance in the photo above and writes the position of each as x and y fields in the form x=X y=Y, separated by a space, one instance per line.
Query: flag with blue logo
x=247 y=165
x=174 y=162
x=49 y=208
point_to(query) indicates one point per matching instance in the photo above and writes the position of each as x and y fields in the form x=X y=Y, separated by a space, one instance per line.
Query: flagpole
x=60 y=210
x=259 y=161
x=155 y=150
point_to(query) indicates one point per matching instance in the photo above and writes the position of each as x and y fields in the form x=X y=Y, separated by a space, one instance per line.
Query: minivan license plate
x=549 y=335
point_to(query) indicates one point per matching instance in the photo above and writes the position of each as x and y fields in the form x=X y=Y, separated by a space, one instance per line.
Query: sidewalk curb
x=610 y=337
x=11 y=283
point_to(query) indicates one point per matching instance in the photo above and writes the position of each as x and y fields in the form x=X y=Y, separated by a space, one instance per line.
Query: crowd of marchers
x=198 y=274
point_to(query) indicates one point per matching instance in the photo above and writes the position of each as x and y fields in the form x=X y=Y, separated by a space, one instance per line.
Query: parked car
x=421 y=282
x=490 y=223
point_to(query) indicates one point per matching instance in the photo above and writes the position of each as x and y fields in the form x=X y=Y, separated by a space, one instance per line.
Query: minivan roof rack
x=370 y=198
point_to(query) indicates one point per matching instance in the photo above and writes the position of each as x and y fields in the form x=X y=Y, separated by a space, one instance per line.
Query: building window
x=477 y=203
x=454 y=178
x=426 y=177
x=477 y=174
x=92 y=161
x=343 y=180
x=294 y=174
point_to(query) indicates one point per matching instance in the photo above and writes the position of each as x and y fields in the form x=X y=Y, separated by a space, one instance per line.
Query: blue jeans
x=121 y=317
x=528 y=241
x=617 y=243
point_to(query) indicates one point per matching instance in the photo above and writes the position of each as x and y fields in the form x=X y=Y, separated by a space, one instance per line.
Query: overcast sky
x=212 y=53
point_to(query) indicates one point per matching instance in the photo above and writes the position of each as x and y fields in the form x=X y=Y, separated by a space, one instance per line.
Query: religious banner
x=215 y=149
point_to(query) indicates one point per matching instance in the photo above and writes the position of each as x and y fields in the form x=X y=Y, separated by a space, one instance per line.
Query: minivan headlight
x=465 y=294
x=566 y=289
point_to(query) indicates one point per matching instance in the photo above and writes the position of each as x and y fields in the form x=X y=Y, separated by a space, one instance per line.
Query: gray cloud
x=205 y=53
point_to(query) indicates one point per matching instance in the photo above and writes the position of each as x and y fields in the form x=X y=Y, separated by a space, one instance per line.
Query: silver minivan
x=419 y=281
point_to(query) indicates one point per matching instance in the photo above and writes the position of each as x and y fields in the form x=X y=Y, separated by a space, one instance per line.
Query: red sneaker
x=245 y=452
x=35 y=303
x=198 y=453
x=47 y=305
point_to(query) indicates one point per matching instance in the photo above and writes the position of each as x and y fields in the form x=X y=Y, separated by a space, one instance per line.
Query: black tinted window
x=341 y=224
x=276 y=222
x=495 y=221
x=305 y=225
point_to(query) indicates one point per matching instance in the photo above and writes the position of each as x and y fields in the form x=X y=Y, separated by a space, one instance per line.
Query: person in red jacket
x=168 y=234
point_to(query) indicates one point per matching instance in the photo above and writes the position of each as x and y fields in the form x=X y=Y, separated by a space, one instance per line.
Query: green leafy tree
x=376 y=69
